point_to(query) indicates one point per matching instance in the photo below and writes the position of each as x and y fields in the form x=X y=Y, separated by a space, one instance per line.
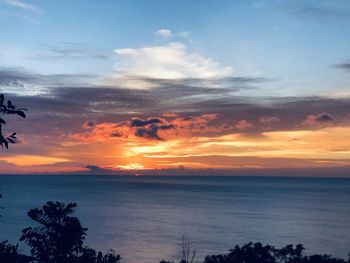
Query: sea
x=144 y=218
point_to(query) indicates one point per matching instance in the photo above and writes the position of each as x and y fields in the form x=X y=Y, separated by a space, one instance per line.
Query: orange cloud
x=202 y=124
x=152 y=128
x=104 y=132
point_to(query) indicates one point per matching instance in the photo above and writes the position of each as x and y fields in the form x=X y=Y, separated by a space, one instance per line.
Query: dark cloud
x=117 y=134
x=70 y=50
x=150 y=127
x=198 y=82
x=142 y=123
x=89 y=124
x=14 y=77
x=344 y=66
x=320 y=13
x=63 y=109
x=96 y=170
x=322 y=119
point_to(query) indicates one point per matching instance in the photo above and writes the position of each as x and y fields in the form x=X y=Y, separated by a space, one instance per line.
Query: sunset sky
x=176 y=87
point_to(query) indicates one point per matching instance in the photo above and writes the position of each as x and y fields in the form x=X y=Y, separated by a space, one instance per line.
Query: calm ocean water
x=144 y=218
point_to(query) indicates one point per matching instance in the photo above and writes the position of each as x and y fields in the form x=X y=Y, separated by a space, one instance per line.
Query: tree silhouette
x=258 y=253
x=290 y=254
x=7 y=108
x=9 y=254
x=187 y=256
x=59 y=237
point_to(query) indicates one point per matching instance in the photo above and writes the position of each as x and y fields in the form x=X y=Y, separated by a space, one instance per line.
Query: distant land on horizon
x=343 y=172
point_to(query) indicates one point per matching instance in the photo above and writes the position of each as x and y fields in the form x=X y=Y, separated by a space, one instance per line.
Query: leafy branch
x=7 y=108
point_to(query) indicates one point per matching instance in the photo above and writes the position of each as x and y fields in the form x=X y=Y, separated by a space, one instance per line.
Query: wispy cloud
x=24 y=82
x=320 y=14
x=344 y=65
x=166 y=33
x=23 y=5
x=71 y=50
x=184 y=34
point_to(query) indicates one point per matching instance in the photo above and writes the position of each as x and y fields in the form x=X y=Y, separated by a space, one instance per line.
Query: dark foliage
x=248 y=253
x=7 y=108
x=89 y=255
x=59 y=237
x=9 y=254
x=257 y=253
x=323 y=259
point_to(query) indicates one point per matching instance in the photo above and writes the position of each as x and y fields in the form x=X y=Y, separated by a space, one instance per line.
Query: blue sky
x=295 y=43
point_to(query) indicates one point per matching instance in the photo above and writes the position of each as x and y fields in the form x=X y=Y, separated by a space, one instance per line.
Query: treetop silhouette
x=59 y=237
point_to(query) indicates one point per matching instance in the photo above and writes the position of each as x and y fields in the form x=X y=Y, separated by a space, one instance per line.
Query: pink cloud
x=320 y=120
x=244 y=125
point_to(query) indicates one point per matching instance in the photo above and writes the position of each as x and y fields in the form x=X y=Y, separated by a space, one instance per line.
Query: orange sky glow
x=194 y=144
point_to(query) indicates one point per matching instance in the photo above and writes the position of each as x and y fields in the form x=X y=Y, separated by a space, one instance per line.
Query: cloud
x=89 y=124
x=244 y=125
x=96 y=170
x=70 y=50
x=184 y=34
x=344 y=66
x=269 y=120
x=172 y=61
x=195 y=107
x=151 y=131
x=322 y=119
x=15 y=77
x=103 y=132
x=320 y=14
x=61 y=167
x=204 y=124
x=153 y=128
x=108 y=132
x=143 y=123
x=166 y=33
x=23 y=5
x=19 y=15
x=150 y=127
x=25 y=82
x=131 y=124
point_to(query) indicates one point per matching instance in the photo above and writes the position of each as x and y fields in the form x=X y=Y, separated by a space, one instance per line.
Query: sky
x=176 y=87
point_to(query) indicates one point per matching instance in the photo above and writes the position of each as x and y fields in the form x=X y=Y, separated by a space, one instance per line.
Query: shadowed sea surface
x=144 y=218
